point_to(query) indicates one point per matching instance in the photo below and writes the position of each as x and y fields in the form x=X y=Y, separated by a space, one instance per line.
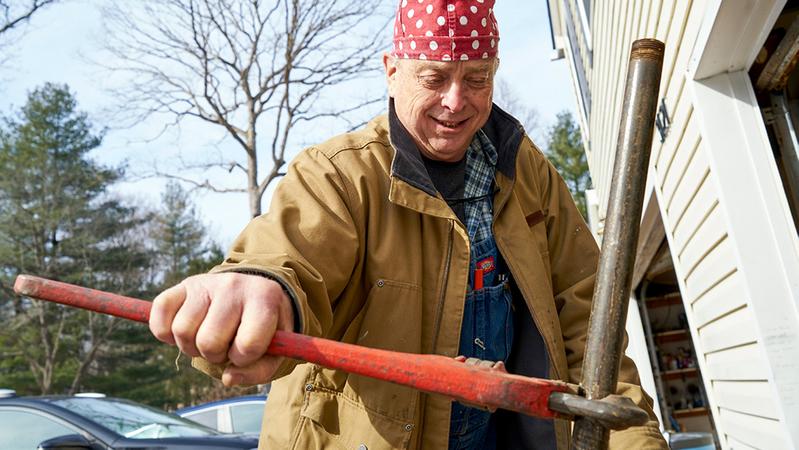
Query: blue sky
x=59 y=43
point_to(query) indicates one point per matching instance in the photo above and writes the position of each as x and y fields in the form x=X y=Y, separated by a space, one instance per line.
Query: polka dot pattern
x=445 y=30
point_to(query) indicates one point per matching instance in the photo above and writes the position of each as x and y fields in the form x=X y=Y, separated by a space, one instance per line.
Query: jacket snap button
x=408 y=427
x=309 y=387
x=363 y=447
x=380 y=283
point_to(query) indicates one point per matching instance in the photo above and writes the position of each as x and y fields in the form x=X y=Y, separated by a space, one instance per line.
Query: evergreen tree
x=139 y=367
x=179 y=235
x=565 y=151
x=181 y=242
x=58 y=221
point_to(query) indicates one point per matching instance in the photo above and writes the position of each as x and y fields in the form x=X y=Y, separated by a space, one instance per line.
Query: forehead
x=419 y=66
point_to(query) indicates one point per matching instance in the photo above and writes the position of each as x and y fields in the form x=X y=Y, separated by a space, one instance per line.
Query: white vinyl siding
x=616 y=24
x=742 y=363
x=751 y=431
x=723 y=299
x=727 y=332
x=726 y=312
x=704 y=258
x=754 y=398
x=580 y=59
x=720 y=302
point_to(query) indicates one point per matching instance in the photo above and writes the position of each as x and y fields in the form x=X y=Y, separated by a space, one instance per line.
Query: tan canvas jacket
x=372 y=256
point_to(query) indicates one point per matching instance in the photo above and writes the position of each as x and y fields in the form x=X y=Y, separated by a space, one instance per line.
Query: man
x=439 y=228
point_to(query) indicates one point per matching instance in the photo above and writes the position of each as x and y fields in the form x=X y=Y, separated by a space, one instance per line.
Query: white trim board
x=759 y=226
x=731 y=34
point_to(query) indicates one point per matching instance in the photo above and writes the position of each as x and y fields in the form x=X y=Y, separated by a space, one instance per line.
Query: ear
x=390 y=65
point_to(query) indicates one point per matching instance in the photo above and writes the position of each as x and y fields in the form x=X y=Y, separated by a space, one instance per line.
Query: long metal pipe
x=603 y=348
x=428 y=373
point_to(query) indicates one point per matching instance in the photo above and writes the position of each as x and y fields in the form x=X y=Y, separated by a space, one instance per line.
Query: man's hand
x=493 y=366
x=226 y=317
x=498 y=366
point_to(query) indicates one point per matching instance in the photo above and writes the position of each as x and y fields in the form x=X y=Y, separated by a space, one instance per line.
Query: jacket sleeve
x=574 y=257
x=307 y=241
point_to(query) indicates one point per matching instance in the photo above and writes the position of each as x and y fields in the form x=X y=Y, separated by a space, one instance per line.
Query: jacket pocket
x=343 y=411
x=392 y=317
x=329 y=420
x=392 y=321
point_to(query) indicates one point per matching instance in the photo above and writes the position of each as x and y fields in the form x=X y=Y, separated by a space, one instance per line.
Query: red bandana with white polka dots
x=445 y=30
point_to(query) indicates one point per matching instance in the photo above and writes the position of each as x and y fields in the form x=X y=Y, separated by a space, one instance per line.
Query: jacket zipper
x=439 y=314
x=440 y=309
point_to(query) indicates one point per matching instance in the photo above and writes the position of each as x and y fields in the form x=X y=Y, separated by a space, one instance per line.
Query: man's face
x=442 y=104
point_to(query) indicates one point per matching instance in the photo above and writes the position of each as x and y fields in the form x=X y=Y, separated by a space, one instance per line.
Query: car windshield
x=132 y=419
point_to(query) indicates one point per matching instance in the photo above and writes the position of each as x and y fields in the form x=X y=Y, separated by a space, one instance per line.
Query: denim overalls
x=486 y=333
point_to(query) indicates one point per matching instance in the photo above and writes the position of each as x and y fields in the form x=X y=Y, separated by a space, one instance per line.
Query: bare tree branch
x=509 y=100
x=253 y=68
x=13 y=14
x=95 y=343
x=201 y=184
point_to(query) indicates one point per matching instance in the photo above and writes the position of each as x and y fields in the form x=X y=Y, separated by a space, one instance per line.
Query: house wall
x=722 y=267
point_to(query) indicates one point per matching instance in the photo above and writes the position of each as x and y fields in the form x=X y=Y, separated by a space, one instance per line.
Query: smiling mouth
x=452 y=125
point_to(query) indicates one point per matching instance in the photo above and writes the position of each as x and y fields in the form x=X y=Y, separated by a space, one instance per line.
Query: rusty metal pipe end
x=647 y=49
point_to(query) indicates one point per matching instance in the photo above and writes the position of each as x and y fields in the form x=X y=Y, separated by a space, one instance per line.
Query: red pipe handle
x=428 y=373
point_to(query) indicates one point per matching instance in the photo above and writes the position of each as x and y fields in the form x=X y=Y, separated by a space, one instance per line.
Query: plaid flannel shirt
x=481 y=160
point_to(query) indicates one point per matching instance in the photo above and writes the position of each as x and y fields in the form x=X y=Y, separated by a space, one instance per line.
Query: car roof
x=51 y=399
x=226 y=401
x=46 y=403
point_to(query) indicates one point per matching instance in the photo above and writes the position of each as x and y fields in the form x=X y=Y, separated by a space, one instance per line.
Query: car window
x=133 y=420
x=207 y=418
x=23 y=429
x=246 y=418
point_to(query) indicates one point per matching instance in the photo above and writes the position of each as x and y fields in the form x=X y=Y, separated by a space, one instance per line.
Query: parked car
x=99 y=423
x=233 y=415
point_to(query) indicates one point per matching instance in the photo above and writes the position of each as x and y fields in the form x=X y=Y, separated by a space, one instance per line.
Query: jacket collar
x=502 y=129
x=407 y=165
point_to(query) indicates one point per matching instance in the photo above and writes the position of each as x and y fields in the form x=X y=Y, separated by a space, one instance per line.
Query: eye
x=479 y=82
x=431 y=81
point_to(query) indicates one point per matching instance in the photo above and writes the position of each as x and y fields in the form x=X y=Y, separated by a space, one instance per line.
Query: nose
x=453 y=97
